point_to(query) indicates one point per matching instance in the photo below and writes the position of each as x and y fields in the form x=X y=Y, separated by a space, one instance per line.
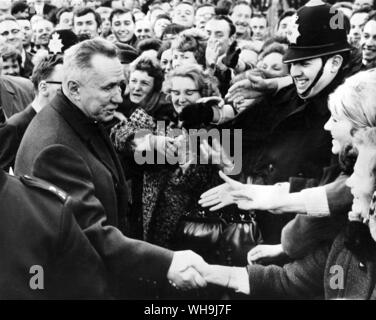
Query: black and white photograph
x=188 y=154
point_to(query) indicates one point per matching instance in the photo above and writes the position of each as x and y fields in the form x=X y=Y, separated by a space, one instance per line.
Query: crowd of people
x=206 y=149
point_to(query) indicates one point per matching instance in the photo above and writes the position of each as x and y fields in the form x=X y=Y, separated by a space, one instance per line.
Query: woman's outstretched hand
x=219 y=197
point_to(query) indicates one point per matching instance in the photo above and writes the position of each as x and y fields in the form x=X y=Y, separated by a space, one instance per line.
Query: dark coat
x=283 y=137
x=38 y=229
x=16 y=93
x=63 y=146
x=11 y=133
x=319 y=274
x=303 y=233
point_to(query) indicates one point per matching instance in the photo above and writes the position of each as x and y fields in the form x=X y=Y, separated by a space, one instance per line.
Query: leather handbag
x=218 y=239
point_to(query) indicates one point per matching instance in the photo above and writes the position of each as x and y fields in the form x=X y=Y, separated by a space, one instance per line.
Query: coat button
x=271 y=168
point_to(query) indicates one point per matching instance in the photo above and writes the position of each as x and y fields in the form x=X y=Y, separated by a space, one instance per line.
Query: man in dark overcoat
x=67 y=145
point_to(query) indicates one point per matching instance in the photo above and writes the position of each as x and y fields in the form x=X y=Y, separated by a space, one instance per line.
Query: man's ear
x=42 y=88
x=337 y=61
x=73 y=89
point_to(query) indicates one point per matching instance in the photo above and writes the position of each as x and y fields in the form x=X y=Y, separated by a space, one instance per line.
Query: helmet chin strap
x=306 y=92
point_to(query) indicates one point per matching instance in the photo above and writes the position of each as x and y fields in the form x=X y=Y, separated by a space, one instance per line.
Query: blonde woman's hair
x=206 y=83
x=355 y=100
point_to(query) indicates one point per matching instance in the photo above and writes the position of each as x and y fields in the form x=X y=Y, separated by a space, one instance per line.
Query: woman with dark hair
x=144 y=88
x=143 y=104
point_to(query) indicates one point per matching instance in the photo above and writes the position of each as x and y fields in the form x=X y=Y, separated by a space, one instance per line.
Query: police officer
x=283 y=134
x=296 y=144
x=44 y=253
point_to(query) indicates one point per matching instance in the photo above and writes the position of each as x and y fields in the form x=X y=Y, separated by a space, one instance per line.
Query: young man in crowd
x=123 y=26
x=86 y=22
x=184 y=14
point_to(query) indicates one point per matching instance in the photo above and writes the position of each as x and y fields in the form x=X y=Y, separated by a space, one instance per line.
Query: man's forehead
x=217 y=25
x=242 y=8
x=106 y=67
x=205 y=9
x=87 y=17
x=23 y=22
x=184 y=6
x=258 y=20
x=123 y=16
x=9 y=24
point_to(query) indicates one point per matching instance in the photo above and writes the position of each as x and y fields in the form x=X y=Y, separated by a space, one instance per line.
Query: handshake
x=189 y=271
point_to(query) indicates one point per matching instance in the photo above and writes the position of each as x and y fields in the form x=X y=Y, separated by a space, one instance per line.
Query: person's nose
x=182 y=98
x=137 y=87
x=328 y=125
x=295 y=70
x=349 y=181
x=117 y=97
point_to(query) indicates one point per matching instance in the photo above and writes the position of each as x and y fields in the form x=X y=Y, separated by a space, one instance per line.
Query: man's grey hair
x=77 y=59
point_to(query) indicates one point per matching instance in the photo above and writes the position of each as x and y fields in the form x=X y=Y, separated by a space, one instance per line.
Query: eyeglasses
x=7 y=33
x=54 y=82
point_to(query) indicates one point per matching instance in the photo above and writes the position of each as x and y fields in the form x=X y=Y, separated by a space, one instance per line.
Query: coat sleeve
x=123 y=257
x=78 y=272
x=11 y=133
x=8 y=145
x=339 y=196
x=301 y=279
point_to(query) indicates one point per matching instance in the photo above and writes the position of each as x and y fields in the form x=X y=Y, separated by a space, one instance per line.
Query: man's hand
x=219 y=197
x=252 y=87
x=232 y=56
x=212 y=52
x=183 y=273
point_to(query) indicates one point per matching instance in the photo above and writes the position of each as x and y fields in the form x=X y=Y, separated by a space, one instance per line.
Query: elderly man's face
x=101 y=94
x=10 y=33
x=86 y=24
x=43 y=30
x=143 y=29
